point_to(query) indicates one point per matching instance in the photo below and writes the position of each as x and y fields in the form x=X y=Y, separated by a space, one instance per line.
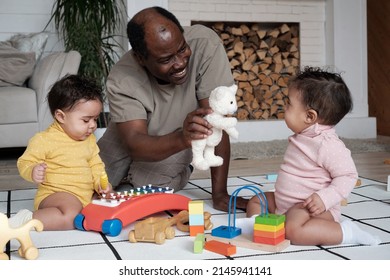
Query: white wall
x=25 y=16
x=333 y=32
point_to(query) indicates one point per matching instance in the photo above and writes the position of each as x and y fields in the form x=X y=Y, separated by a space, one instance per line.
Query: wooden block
x=195 y=207
x=220 y=247
x=358 y=183
x=270 y=219
x=272 y=177
x=245 y=241
x=388 y=183
x=196 y=219
x=104 y=180
x=270 y=241
x=268 y=227
x=194 y=230
x=269 y=234
x=199 y=243
x=226 y=231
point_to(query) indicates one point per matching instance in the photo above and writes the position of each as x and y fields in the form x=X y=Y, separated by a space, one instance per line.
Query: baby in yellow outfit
x=64 y=159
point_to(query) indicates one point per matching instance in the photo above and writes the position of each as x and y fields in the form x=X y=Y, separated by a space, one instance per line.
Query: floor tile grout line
x=372 y=180
x=373 y=226
x=333 y=253
x=368 y=197
x=112 y=248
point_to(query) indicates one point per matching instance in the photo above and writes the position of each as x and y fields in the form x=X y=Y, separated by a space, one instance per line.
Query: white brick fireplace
x=332 y=33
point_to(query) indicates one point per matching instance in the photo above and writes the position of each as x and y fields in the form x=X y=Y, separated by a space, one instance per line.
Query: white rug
x=368 y=206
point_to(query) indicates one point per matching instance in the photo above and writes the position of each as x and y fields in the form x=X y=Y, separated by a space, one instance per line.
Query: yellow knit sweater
x=72 y=166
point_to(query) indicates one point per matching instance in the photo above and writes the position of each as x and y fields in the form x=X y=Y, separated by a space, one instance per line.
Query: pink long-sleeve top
x=316 y=161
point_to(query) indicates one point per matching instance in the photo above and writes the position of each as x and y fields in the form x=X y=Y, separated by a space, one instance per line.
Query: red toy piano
x=110 y=213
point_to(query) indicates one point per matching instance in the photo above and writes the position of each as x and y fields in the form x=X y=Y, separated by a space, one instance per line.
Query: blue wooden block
x=226 y=232
x=196 y=219
x=272 y=177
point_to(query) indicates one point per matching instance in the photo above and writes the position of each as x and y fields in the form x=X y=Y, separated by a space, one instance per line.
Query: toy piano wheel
x=159 y=237
x=112 y=227
x=169 y=233
x=132 y=236
x=78 y=222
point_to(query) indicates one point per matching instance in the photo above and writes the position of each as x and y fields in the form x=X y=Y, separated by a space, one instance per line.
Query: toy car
x=157 y=229
x=111 y=213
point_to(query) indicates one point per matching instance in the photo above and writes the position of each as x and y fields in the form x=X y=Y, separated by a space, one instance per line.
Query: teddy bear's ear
x=220 y=93
x=234 y=88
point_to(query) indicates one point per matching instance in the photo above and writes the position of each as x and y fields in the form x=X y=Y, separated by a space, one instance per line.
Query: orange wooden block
x=270 y=241
x=194 y=230
x=220 y=247
x=269 y=234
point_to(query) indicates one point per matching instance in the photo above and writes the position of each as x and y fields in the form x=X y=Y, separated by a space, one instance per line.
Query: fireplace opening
x=263 y=56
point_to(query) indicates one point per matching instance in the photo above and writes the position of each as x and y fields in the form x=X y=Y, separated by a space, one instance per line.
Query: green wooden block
x=270 y=219
x=199 y=243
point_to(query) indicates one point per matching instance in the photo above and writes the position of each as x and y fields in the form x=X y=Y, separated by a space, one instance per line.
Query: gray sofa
x=24 y=110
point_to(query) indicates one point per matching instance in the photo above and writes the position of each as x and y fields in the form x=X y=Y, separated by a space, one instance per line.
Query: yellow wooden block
x=268 y=227
x=195 y=207
x=104 y=180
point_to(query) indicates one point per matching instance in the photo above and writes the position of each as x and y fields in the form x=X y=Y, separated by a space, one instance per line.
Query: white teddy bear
x=223 y=102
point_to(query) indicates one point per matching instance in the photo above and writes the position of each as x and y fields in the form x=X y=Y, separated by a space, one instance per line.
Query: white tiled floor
x=369 y=206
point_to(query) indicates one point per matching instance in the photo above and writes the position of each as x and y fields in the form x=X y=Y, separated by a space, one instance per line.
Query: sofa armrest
x=49 y=70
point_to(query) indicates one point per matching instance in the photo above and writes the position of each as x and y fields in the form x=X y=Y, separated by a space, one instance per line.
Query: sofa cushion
x=15 y=66
x=31 y=42
x=17 y=105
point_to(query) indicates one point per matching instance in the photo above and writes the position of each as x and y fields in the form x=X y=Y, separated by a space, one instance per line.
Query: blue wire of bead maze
x=233 y=231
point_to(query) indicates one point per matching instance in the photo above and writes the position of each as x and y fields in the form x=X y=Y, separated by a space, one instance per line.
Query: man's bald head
x=153 y=21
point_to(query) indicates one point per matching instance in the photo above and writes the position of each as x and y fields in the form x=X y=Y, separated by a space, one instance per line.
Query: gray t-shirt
x=134 y=94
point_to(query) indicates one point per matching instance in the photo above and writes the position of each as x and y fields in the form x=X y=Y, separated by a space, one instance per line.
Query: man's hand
x=195 y=127
x=39 y=172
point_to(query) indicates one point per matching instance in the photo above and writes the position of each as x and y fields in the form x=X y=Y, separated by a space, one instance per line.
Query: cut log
x=262 y=60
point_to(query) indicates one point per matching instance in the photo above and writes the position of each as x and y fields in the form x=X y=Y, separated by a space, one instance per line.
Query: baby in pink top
x=318 y=170
x=316 y=162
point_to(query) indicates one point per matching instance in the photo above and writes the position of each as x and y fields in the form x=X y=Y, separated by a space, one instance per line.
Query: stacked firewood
x=262 y=60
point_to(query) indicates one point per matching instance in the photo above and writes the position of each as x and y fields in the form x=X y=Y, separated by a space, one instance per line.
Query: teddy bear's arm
x=221 y=122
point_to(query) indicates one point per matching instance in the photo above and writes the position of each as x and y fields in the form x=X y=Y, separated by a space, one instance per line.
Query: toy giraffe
x=27 y=249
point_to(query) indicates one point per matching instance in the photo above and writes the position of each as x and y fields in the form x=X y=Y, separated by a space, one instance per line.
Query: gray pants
x=173 y=172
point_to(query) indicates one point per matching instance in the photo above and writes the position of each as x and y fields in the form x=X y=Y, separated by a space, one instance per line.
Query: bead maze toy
x=27 y=249
x=269 y=233
x=111 y=212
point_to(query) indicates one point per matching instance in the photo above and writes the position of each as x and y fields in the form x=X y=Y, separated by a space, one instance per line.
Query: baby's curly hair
x=324 y=92
x=68 y=91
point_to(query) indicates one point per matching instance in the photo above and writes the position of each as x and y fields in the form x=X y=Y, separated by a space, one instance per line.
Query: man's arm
x=144 y=147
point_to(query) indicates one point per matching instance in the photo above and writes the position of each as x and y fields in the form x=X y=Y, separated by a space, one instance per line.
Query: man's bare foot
x=221 y=202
